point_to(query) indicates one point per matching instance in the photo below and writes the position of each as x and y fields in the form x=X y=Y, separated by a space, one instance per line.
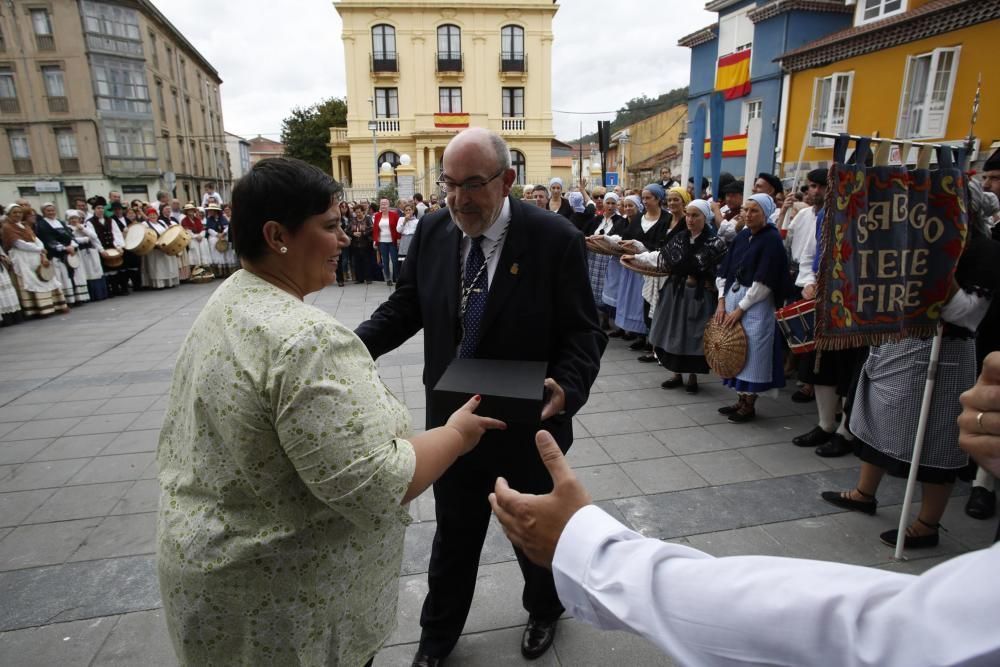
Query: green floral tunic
x=281 y=468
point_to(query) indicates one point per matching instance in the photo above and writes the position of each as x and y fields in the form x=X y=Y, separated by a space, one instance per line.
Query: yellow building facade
x=911 y=74
x=650 y=144
x=419 y=72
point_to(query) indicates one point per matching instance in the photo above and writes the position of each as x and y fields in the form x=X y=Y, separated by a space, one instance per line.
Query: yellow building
x=648 y=145
x=906 y=69
x=419 y=72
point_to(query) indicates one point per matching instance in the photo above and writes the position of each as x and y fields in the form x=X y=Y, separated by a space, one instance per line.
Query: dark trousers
x=361 y=262
x=463 y=511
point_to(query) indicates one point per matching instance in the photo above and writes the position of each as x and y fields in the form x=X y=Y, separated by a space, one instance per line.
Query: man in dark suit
x=492 y=278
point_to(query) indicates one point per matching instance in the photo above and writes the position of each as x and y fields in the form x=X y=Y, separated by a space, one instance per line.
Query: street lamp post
x=373 y=126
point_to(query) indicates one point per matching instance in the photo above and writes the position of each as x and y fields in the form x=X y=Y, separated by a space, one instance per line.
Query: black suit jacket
x=540 y=308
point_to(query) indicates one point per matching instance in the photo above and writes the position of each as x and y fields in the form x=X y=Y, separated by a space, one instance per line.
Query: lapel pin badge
x=514 y=268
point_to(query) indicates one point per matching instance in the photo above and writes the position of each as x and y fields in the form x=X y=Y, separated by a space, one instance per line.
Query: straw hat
x=212 y=206
x=189 y=206
x=725 y=348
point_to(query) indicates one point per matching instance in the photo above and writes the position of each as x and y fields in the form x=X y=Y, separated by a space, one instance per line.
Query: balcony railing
x=22 y=165
x=512 y=124
x=449 y=61
x=45 y=42
x=9 y=105
x=338 y=136
x=58 y=104
x=69 y=165
x=513 y=62
x=386 y=63
x=386 y=125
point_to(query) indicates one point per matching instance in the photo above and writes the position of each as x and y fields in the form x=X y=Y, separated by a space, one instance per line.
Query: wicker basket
x=629 y=263
x=725 y=348
x=602 y=246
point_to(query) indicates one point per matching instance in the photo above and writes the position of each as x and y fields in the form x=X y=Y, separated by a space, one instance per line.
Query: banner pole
x=918 y=441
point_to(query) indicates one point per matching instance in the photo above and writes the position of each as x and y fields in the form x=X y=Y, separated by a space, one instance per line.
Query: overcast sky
x=272 y=57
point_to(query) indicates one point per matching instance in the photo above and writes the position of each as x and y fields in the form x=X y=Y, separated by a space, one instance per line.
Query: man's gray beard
x=483 y=225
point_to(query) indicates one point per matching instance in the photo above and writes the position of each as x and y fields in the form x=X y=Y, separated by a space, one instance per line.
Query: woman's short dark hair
x=285 y=190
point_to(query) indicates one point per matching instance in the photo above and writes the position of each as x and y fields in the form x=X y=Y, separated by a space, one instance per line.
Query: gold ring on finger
x=979 y=420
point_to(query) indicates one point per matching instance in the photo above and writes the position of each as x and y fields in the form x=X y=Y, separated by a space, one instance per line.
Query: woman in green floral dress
x=284 y=461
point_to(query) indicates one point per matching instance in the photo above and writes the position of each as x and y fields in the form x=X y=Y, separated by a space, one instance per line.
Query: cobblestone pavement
x=82 y=398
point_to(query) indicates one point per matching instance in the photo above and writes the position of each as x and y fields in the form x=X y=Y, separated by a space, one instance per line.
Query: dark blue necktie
x=475 y=305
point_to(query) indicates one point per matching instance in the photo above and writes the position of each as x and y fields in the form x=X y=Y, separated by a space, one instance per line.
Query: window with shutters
x=831 y=105
x=41 y=24
x=8 y=91
x=450 y=100
x=927 y=90
x=20 y=152
x=55 y=88
x=874 y=10
x=69 y=159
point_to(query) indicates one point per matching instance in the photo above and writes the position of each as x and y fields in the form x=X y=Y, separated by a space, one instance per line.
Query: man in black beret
x=769 y=184
x=728 y=216
x=991 y=173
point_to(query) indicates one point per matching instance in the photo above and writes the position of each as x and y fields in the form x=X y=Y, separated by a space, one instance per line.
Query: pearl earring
x=283 y=250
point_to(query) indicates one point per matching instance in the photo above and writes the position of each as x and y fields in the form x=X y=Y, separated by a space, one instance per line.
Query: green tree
x=306 y=132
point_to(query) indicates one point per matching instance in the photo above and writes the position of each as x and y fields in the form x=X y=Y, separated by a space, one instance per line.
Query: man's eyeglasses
x=473 y=185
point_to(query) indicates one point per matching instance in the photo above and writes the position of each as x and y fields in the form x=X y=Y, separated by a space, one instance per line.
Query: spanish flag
x=451 y=120
x=733 y=76
x=735 y=145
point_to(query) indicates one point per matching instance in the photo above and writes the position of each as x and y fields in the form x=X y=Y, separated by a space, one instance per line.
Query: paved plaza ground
x=82 y=397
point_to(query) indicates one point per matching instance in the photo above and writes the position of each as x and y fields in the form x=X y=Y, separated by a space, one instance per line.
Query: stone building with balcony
x=418 y=73
x=99 y=96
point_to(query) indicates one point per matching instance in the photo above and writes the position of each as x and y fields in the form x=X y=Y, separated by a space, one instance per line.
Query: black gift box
x=512 y=391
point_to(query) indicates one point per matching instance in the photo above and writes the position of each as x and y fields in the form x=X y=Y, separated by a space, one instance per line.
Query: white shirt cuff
x=587 y=531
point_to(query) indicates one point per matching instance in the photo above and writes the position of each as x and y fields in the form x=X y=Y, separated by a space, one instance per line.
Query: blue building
x=765 y=28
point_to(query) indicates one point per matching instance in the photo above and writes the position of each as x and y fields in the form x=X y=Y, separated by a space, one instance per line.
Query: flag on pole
x=732 y=78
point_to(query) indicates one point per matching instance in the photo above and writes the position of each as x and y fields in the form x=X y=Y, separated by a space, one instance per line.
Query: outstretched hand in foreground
x=534 y=523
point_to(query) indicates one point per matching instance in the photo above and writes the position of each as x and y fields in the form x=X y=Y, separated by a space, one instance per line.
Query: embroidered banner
x=732 y=78
x=891 y=240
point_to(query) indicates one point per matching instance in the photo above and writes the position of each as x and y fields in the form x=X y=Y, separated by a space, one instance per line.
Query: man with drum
x=837 y=370
x=130 y=272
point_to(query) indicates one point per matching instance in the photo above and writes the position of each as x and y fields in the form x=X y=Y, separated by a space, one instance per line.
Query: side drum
x=173 y=241
x=797 y=322
x=140 y=239
x=112 y=258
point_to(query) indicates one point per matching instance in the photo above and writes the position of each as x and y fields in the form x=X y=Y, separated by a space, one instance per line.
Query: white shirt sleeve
x=27 y=246
x=755 y=610
x=727 y=230
x=720 y=287
x=965 y=310
x=757 y=293
x=806 y=254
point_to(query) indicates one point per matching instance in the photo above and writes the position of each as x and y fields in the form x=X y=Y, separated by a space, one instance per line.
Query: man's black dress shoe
x=424 y=660
x=982 y=503
x=838 y=445
x=537 y=638
x=813 y=438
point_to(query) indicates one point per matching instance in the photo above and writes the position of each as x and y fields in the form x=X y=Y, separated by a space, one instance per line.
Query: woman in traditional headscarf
x=198 y=253
x=648 y=231
x=894 y=371
x=160 y=270
x=632 y=209
x=677 y=199
x=688 y=297
x=751 y=280
x=224 y=261
x=608 y=224
x=62 y=250
x=39 y=297
x=10 y=306
x=558 y=203
x=89 y=248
